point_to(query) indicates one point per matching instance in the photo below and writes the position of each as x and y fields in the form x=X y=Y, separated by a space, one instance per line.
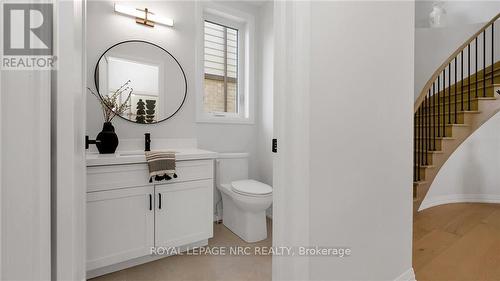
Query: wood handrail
x=443 y=66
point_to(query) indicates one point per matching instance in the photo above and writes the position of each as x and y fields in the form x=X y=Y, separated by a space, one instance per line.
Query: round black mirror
x=158 y=81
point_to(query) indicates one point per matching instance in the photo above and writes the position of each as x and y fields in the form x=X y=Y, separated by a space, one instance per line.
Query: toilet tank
x=230 y=167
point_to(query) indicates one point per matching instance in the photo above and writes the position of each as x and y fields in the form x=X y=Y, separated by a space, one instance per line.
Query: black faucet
x=147 y=142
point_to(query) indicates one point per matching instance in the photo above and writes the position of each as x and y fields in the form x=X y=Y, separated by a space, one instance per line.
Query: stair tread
x=452 y=113
x=446 y=125
x=473 y=83
x=430 y=151
x=419 y=182
x=438 y=138
x=466 y=89
x=459 y=102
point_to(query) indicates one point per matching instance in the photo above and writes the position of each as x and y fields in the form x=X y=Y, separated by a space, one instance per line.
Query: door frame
x=68 y=147
x=291 y=128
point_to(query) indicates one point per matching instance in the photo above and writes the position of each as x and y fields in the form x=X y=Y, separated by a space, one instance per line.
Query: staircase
x=456 y=101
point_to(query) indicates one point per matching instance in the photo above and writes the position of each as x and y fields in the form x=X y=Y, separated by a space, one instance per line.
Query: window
x=225 y=66
x=221 y=69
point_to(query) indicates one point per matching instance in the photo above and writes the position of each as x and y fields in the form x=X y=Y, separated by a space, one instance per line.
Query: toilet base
x=250 y=226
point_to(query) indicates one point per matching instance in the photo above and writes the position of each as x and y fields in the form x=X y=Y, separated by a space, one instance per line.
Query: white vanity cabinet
x=127 y=215
x=120 y=225
x=181 y=217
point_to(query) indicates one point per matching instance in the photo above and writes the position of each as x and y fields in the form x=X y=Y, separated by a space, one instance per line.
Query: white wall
x=265 y=108
x=361 y=109
x=434 y=45
x=105 y=28
x=458 y=12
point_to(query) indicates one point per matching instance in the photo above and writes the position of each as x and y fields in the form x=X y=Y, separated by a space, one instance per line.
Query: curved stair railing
x=454 y=92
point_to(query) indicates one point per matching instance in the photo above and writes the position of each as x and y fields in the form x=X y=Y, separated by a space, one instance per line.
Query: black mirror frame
x=153 y=44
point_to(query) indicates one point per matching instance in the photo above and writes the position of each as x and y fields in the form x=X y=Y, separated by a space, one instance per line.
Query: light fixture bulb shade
x=161 y=20
x=129 y=11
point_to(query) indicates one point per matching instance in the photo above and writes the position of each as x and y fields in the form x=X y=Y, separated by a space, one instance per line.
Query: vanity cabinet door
x=120 y=225
x=184 y=213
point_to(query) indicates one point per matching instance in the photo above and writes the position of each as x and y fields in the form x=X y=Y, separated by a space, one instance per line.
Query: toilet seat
x=251 y=188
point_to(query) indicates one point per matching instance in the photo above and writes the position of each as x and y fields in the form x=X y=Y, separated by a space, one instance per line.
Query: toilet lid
x=251 y=187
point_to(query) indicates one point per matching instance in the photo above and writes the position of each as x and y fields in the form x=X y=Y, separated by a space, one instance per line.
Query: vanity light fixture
x=143 y=16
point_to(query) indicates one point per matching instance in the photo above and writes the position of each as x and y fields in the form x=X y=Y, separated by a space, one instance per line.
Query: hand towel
x=161 y=165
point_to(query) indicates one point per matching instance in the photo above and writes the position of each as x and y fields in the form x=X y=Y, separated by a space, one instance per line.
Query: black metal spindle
x=484 y=63
x=434 y=114
x=426 y=147
x=422 y=139
x=429 y=144
x=444 y=104
x=415 y=147
x=468 y=77
x=449 y=93
x=462 y=78
x=419 y=163
x=477 y=74
x=456 y=89
x=418 y=142
x=492 y=56
x=439 y=109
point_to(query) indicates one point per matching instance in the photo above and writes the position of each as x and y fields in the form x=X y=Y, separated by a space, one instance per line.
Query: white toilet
x=244 y=200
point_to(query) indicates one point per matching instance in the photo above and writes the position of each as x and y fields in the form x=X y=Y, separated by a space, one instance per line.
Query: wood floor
x=451 y=242
x=457 y=242
x=206 y=267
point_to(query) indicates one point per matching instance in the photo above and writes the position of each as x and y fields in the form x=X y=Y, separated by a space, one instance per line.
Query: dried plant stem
x=111 y=105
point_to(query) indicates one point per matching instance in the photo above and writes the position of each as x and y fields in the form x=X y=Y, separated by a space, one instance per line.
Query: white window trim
x=245 y=23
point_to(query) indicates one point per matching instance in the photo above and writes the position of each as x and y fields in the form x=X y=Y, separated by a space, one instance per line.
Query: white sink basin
x=136 y=153
x=131 y=153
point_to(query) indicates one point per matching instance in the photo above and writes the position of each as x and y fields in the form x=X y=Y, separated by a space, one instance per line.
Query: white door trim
x=291 y=128
x=25 y=173
x=68 y=156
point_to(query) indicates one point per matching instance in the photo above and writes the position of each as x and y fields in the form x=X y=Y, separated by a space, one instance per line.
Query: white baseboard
x=408 y=275
x=459 y=198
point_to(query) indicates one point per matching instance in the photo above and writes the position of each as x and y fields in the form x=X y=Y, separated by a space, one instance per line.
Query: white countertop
x=137 y=156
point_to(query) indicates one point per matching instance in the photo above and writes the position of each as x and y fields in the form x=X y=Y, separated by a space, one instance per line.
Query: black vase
x=107 y=140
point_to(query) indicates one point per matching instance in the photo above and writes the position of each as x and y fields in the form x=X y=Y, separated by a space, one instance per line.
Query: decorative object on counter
x=107 y=140
x=161 y=165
